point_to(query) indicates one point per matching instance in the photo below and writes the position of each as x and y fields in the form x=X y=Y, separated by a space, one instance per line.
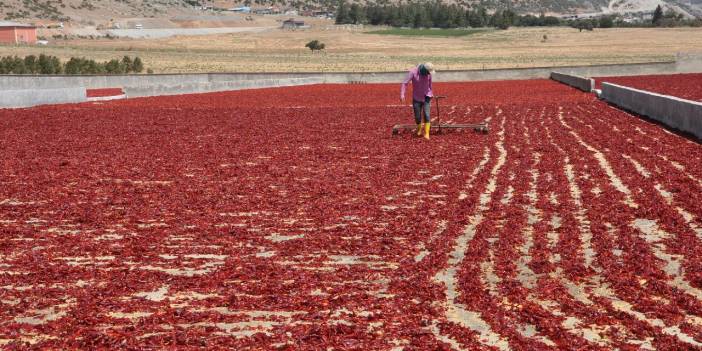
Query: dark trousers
x=422 y=106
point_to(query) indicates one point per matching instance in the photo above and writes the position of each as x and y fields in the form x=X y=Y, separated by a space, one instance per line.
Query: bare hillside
x=91 y=12
x=83 y=11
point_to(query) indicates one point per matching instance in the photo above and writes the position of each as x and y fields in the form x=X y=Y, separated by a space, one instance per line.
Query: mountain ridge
x=83 y=11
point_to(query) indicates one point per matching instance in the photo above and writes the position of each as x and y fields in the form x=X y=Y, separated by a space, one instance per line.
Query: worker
x=421 y=95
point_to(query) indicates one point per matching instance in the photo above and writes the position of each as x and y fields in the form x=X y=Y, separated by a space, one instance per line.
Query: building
x=293 y=24
x=264 y=11
x=323 y=14
x=17 y=33
x=271 y=10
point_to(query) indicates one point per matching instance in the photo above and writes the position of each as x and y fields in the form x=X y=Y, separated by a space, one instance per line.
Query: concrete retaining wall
x=172 y=84
x=94 y=81
x=8 y=82
x=584 y=84
x=34 y=97
x=689 y=62
x=190 y=88
x=683 y=115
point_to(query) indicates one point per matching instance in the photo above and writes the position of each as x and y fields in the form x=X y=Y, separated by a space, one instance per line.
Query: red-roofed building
x=17 y=33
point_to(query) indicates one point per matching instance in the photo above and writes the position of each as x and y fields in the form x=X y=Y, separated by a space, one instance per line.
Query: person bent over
x=421 y=95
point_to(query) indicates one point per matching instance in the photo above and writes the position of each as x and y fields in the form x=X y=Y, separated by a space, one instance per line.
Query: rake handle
x=438 y=111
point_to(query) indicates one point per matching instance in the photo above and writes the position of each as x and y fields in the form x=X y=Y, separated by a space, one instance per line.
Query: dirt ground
x=354 y=50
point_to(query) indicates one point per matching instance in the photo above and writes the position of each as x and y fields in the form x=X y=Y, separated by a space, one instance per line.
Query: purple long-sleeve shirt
x=421 y=85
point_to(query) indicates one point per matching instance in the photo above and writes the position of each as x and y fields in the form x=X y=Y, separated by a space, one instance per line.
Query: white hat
x=430 y=67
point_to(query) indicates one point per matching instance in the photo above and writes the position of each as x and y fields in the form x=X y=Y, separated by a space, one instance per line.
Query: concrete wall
x=683 y=115
x=34 y=97
x=190 y=88
x=172 y=84
x=689 y=62
x=8 y=82
x=93 y=81
x=584 y=84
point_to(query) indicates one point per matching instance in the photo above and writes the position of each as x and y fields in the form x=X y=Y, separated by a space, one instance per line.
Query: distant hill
x=86 y=12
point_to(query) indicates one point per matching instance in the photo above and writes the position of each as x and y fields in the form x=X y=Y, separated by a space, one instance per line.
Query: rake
x=481 y=127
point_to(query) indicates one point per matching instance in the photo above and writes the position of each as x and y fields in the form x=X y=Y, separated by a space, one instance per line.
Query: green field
x=417 y=32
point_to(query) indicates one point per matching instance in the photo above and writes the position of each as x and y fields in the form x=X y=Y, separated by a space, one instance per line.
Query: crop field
x=291 y=218
x=687 y=86
x=278 y=50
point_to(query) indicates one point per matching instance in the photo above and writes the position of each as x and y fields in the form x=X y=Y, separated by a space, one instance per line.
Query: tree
x=55 y=65
x=343 y=13
x=455 y=17
x=671 y=19
x=31 y=64
x=114 y=67
x=377 y=15
x=551 y=21
x=499 y=20
x=315 y=45
x=45 y=65
x=356 y=14
x=589 y=25
x=510 y=18
x=477 y=18
x=583 y=24
x=127 y=65
x=137 y=65
x=395 y=16
x=73 y=66
x=501 y=24
x=657 y=15
x=422 y=20
x=92 y=67
x=19 y=67
x=606 y=22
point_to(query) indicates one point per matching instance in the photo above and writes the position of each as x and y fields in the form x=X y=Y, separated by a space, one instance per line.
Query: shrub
x=137 y=65
x=583 y=24
x=49 y=64
x=606 y=22
x=31 y=64
x=315 y=45
x=75 y=65
x=127 y=64
x=114 y=67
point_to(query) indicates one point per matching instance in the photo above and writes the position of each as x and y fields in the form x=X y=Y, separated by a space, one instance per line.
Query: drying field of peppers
x=91 y=93
x=291 y=219
x=687 y=86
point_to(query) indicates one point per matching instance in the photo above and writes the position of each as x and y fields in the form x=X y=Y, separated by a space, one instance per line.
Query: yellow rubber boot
x=427 y=127
x=420 y=127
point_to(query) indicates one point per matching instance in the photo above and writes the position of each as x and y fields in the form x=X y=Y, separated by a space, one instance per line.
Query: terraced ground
x=291 y=219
